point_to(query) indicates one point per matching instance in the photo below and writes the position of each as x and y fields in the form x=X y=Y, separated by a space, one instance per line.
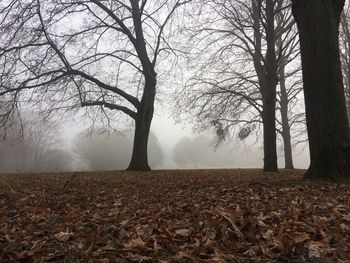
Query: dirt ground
x=173 y=216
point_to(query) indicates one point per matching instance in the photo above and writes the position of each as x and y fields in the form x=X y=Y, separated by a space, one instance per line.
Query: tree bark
x=139 y=158
x=269 y=125
x=287 y=144
x=327 y=123
x=268 y=80
x=144 y=116
x=269 y=93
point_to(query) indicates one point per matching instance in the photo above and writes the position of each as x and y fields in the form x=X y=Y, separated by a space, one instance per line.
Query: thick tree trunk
x=143 y=120
x=287 y=144
x=266 y=71
x=327 y=124
x=269 y=124
x=269 y=93
x=139 y=158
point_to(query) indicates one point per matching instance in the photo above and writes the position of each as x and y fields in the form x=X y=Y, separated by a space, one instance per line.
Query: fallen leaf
x=262 y=224
x=63 y=236
x=182 y=255
x=315 y=248
x=38 y=246
x=337 y=213
x=155 y=248
x=109 y=246
x=231 y=219
x=301 y=238
x=347 y=217
x=250 y=252
x=345 y=227
x=133 y=243
x=183 y=232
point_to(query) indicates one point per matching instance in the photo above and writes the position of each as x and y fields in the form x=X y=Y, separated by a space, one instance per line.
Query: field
x=173 y=216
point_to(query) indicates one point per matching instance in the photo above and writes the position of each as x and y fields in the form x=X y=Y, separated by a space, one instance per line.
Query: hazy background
x=173 y=144
x=184 y=149
x=69 y=147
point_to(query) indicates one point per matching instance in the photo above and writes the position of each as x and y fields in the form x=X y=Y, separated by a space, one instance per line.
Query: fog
x=41 y=147
x=92 y=91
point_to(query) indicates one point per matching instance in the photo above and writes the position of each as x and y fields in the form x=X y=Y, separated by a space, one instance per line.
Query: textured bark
x=269 y=93
x=139 y=158
x=267 y=75
x=269 y=124
x=327 y=123
x=144 y=116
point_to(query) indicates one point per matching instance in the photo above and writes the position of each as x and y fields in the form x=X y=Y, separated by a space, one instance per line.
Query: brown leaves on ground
x=173 y=216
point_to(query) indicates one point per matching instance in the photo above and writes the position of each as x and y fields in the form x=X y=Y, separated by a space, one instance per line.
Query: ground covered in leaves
x=173 y=216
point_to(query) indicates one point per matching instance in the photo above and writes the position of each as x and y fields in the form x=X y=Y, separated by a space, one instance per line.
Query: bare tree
x=327 y=124
x=254 y=45
x=100 y=54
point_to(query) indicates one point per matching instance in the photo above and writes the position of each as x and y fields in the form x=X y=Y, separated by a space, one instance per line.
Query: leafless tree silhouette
x=102 y=55
x=248 y=50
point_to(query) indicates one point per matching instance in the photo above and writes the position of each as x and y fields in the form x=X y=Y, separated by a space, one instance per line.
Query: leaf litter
x=173 y=216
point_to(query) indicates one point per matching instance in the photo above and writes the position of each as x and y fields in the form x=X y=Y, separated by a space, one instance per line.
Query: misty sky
x=244 y=155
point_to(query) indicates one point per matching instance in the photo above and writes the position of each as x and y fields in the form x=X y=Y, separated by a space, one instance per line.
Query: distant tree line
x=40 y=148
x=33 y=146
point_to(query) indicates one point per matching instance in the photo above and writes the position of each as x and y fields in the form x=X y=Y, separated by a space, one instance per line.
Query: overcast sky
x=244 y=155
x=163 y=126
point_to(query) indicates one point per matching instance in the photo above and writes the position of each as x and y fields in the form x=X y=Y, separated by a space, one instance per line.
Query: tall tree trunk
x=269 y=125
x=287 y=144
x=327 y=123
x=266 y=72
x=143 y=120
x=269 y=93
x=139 y=158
